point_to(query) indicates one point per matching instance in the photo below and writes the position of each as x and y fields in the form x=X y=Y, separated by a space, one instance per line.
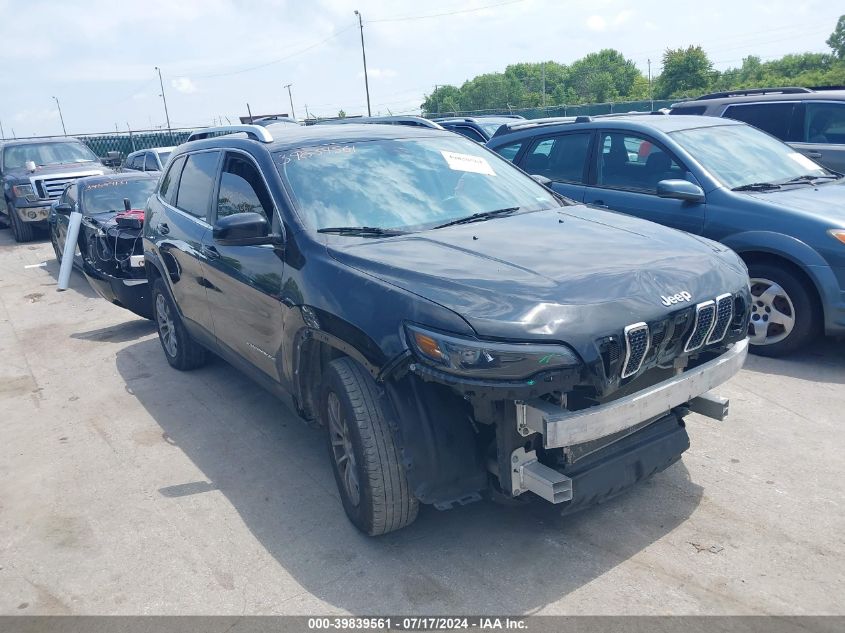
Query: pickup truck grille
x=51 y=187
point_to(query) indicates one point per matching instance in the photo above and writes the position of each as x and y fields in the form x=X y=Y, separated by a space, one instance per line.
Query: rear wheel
x=22 y=231
x=784 y=317
x=181 y=351
x=372 y=483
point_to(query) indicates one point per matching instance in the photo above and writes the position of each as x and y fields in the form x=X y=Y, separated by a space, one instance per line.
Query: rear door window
x=774 y=118
x=562 y=158
x=824 y=123
x=151 y=163
x=170 y=182
x=470 y=133
x=197 y=183
x=510 y=151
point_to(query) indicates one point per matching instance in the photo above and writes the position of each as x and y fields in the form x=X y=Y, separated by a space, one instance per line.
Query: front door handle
x=210 y=251
x=814 y=154
x=163 y=228
x=599 y=203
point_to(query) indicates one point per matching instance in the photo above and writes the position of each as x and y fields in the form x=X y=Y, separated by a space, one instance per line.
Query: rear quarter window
x=774 y=118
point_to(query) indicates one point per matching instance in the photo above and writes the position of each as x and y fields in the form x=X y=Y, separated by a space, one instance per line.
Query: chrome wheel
x=166 y=330
x=342 y=450
x=772 y=313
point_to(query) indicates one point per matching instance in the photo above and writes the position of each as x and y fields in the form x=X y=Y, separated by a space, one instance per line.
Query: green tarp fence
x=569 y=110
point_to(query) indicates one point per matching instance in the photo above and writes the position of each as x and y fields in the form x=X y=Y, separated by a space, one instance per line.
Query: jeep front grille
x=705 y=319
x=636 y=347
x=724 y=316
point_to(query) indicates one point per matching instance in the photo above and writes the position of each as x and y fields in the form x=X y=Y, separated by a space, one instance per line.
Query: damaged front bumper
x=132 y=294
x=561 y=427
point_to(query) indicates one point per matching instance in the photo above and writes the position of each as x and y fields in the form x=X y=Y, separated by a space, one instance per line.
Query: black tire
x=54 y=240
x=384 y=502
x=182 y=352
x=796 y=299
x=23 y=231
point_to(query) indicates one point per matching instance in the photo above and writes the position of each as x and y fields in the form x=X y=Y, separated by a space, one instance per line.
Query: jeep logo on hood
x=673 y=299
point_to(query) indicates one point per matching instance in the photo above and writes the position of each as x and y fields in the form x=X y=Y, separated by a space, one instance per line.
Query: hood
x=22 y=173
x=552 y=274
x=825 y=201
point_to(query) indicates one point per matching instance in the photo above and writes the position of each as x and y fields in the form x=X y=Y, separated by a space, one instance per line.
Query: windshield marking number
x=467 y=162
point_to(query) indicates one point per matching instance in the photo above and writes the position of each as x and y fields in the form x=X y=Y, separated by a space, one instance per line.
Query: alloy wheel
x=772 y=313
x=166 y=329
x=342 y=452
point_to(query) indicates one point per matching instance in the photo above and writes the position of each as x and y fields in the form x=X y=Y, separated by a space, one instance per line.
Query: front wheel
x=784 y=318
x=365 y=459
x=22 y=231
x=181 y=351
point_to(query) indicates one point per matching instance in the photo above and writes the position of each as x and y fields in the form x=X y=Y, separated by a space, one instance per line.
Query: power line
x=445 y=13
x=279 y=60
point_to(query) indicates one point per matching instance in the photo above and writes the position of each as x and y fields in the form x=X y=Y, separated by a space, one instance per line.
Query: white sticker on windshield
x=802 y=160
x=467 y=162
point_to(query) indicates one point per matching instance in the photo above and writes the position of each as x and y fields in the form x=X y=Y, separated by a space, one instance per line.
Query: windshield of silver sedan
x=391 y=186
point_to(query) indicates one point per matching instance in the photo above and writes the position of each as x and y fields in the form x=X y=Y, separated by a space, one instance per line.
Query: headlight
x=24 y=191
x=838 y=234
x=484 y=359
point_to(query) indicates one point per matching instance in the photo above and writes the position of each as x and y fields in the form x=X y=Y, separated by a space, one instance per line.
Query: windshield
x=491 y=125
x=41 y=154
x=405 y=183
x=740 y=155
x=106 y=196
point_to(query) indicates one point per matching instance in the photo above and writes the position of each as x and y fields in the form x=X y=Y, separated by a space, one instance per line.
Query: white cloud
x=184 y=85
x=596 y=23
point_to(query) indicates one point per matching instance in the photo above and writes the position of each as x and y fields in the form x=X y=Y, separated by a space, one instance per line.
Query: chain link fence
x=588 y=109
x=128 y=142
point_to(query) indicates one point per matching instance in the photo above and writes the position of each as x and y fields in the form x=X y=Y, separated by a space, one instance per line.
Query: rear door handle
x=599 y=203
x=163 y=228
x=814 y=154
x=210 y=251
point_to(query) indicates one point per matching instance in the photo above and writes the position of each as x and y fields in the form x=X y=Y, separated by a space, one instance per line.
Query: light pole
x=164 y=99
x=650 y=95
x=61 y=118
x=364 y=55
x=290 y=96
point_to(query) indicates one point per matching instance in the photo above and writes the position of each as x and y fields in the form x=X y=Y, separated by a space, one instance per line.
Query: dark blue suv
x=725 y=180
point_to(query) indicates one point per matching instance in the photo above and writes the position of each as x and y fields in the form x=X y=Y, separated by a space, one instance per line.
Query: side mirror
x=542 y=179
x=64 y=209
x=244 y=229
x=680 y=190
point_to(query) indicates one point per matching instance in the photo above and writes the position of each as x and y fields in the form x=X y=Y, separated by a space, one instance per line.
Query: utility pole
x=307 y=113
x=61 y=118
x=544 y=84
x=164 y=99
x=249 y=112
x=131 y=139
x=650 y=96
x=290 y=96
x=364 y=54
x=2 y=133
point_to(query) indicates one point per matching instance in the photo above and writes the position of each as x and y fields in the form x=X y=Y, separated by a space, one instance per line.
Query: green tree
x=686 y=72
x=600 y=77
x=836 y=41
x=443 y=100
x=341 y=114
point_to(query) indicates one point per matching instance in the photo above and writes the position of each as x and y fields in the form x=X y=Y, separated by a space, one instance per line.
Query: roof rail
x=255 y=132
x=753 y=91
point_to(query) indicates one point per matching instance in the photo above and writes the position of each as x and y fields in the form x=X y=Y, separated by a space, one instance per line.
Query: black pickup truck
x=458 y=329
x=34 y=173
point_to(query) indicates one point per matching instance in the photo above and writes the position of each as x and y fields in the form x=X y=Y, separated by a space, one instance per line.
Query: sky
x=98 y=57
